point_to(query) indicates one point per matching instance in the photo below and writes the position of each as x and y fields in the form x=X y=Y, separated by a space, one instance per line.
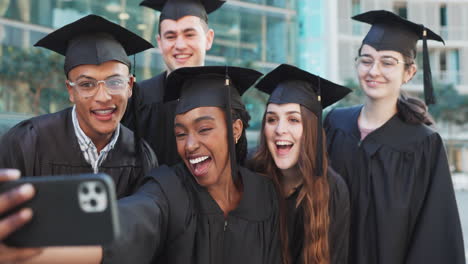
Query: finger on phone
x=15 y=197
x=12 y=222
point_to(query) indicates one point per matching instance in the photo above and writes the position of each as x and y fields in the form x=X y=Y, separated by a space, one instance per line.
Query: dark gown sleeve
x=437 y=236
x=339 y=219
x=134 y=105
x=143 y=224
x=274 y=248
x=139 y=115
x=18 y=148
x=149 y=162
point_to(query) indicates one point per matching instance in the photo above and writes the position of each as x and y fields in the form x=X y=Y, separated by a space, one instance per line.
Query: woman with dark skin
x=403 y=203
x=314 y=198
x=208 y=209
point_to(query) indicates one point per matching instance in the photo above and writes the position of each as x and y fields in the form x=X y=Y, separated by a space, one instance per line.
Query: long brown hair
x=313 y=197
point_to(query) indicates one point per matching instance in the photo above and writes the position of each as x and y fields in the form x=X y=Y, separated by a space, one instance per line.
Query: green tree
x=36 y=68
x=355 y=97
x=451 y=106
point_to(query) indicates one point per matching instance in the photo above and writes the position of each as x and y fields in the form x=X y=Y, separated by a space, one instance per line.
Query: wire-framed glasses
x=88 y=87
x=386 y=63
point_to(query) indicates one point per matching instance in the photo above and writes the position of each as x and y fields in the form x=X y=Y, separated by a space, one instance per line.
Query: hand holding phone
x=10 y=223
x=68 y=211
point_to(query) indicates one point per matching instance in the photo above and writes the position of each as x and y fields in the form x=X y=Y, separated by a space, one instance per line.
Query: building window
x=443 y=61
x=356 y=7
x=443 y=15
x=400 y=9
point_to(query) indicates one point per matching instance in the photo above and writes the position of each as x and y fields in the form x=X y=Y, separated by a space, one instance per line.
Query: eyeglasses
x=88 y=87
x=387 y=64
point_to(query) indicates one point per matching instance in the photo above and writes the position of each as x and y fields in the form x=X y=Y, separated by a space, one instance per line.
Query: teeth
x=182 y=56
x=283 y=143
x=198 y=160
x=103 y=112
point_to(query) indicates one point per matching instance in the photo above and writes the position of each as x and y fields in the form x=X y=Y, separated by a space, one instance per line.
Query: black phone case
x=58 y=215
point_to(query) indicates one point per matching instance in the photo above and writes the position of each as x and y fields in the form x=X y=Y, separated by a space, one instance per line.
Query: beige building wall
x=449 y=63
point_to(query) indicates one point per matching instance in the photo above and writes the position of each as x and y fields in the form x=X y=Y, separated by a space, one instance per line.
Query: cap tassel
x=134 y=66
x=230 y=134
x=319 y=153
x=428 y=88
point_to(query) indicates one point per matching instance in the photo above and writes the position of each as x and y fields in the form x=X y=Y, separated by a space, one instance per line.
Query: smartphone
x=69 y=210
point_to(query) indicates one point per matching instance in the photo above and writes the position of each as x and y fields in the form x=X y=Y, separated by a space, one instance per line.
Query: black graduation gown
x=47 y=145
x=171 y=219
x=339 y=210
x=155 y=118
x=403 y=207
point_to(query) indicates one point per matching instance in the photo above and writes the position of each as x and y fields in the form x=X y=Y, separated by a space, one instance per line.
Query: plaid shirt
x=87 y=146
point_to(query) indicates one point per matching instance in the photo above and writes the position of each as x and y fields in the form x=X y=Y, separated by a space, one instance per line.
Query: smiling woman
x=315 y=203
x=403 y=209
x=198 y=134
x=207 y=209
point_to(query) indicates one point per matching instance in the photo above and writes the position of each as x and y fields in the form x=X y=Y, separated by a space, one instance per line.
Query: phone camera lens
x=93 y=202
x=98 y=189
x=85 y=190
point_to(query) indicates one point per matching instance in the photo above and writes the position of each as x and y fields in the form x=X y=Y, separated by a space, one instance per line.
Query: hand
x=14 y=221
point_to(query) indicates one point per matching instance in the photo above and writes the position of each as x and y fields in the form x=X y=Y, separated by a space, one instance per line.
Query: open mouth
x=200 y=165
x=372 y=83
x=104 y=114
x=283 y=147
x=182 y=57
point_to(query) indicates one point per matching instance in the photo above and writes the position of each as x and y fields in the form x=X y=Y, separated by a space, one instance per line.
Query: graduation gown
x=172 y=219
x=403 y=207
x=339 y=210
x=155 y=118
x=47 y=145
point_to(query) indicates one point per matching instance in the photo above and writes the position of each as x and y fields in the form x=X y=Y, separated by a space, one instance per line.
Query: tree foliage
x=39 y=70
x=451 y=106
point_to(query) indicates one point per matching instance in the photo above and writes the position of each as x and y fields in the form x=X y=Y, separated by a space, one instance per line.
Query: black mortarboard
x=175 y=9
x=93 y=40
x=289 y=84
x=392 y=32
x=220 y=86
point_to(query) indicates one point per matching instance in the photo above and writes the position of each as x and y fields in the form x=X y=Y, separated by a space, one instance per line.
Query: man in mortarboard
x=183 y=38
x=88 y=137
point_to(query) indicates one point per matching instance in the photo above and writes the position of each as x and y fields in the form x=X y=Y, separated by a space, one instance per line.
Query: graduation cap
x=219 y=86
x=93 y=40
x=289 y=84
x=175 y=9
x=392 y=32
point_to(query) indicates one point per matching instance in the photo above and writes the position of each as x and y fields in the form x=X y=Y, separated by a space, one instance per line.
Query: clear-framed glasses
x=386 y=64
x=88 y=87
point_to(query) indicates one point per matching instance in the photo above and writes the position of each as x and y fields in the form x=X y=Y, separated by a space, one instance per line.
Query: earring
x=237 y=139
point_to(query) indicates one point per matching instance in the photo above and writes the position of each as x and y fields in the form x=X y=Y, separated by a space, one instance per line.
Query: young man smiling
x=183 y=38
x=87 y=137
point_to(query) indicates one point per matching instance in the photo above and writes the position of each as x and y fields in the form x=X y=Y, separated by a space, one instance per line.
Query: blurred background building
x=317 y=35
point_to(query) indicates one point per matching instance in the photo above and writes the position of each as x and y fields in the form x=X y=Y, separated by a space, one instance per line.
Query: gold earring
x=237 y=139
